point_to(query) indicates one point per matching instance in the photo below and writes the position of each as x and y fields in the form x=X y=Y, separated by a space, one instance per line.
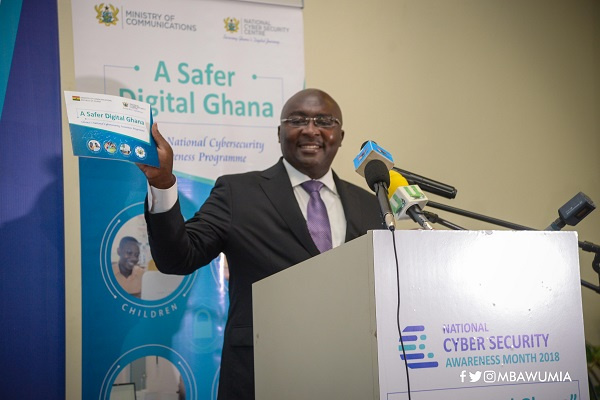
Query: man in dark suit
x=259 y=220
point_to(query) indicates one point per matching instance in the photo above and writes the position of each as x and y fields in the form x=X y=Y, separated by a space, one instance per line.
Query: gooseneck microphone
x=378 y=179
x=407 y=201
x=373 y=163
x=428 y=185
x=572 y=212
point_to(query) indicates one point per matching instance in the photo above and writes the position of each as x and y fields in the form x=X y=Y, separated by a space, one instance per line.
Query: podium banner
x=216 y=75
x=486 y=315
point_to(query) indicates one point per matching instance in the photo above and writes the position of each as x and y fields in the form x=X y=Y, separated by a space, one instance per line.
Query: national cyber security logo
x=232 y=25
x=107 y=14
x=414 y=339
x=254 y=29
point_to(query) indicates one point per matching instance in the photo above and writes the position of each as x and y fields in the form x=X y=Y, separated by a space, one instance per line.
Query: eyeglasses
x=319 y=121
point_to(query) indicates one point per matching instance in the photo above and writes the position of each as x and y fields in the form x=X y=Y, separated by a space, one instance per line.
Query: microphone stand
x=586 y=246
x=480 y=217
x=436 y=219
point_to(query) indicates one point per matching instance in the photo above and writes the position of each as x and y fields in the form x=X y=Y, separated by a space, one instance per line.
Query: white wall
x=498 y=98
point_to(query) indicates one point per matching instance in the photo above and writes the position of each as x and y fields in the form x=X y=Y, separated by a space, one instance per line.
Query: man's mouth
x=310 y=146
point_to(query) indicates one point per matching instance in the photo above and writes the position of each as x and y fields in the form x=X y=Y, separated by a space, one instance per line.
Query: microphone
x=396 y=180
x=428 y=185
x=378 y=179
x=590 y=247
x=370 y=151
x=573 y=212
x=407 y=201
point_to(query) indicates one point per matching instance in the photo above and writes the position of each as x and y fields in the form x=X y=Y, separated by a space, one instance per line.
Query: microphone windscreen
x=375 y=172
x=396 y=180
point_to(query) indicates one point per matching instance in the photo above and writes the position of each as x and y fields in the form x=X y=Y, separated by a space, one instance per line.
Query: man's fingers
x=163 y=147
x=158 y=138
x=143 y=167
x=161 y=177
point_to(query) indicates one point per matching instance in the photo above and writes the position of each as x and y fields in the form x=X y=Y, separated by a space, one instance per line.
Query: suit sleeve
x=180 y=247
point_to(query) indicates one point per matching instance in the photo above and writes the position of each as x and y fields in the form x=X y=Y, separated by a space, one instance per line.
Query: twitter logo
x=475 y=377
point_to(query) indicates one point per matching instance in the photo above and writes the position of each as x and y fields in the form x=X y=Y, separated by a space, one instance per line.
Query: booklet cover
x=111 y=127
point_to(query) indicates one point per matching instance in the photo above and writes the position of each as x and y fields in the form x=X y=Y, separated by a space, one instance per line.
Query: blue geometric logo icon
x=414 y=338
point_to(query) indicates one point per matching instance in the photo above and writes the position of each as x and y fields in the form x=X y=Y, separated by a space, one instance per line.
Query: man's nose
x=311 y=128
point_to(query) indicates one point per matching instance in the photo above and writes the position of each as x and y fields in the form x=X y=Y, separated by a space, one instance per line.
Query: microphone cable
x=398 y=314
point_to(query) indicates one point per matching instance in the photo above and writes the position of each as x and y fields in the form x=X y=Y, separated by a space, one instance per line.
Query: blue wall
x=32 y=306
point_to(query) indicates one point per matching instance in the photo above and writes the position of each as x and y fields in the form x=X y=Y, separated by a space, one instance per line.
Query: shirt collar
x=297 y=177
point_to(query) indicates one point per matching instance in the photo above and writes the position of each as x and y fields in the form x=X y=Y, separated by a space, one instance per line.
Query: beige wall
x=498 y=98
x=73 y=310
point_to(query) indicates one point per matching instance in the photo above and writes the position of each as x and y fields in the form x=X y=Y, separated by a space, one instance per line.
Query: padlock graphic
x=203 y=325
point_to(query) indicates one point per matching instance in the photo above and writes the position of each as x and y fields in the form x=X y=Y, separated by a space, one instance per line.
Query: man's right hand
x=161 y=177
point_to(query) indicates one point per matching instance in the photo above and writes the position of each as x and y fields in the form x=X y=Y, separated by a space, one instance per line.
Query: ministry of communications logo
x=106 y=14
x=232 y=25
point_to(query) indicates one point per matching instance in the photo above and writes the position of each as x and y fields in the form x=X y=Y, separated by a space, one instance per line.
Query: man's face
x=129 y=255
x=310 y=149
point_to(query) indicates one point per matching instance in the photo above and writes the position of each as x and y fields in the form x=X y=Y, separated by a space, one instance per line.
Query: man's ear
x=342 y=134
x=279 y=134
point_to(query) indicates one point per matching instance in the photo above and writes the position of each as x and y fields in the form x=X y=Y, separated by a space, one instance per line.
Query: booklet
x=111 y=127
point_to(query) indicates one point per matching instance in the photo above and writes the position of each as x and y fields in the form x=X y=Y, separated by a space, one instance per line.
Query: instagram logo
x=489 y=376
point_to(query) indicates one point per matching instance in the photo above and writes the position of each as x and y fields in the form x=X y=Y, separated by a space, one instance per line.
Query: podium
x=482 y=314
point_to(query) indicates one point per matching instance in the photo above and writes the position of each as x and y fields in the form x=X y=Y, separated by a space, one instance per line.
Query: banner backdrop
x=216 y=74
x=32 y=246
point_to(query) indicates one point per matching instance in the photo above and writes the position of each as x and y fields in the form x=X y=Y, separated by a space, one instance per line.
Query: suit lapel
x=278 y=189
